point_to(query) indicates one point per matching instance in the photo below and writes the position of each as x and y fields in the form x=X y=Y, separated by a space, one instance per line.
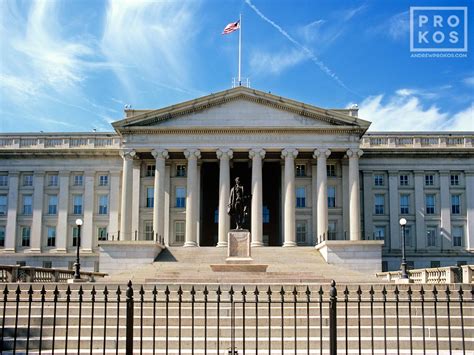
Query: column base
x=222 y=245
x=34 y=251
x=257 y=244
x=60 y=251
x=289 y=244
x=190 y=244
x=8 y=250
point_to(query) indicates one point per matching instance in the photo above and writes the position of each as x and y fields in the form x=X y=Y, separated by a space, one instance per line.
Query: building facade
x=314 y=174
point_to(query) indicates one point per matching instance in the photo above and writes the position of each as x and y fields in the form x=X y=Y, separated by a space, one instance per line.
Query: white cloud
x=396 y=27
x=150 y=39
x=469 y=81
x=275 y=63
x=404 y=111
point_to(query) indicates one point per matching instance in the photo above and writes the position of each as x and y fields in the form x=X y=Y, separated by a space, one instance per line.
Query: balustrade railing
x=438 y=275
x=17 y=273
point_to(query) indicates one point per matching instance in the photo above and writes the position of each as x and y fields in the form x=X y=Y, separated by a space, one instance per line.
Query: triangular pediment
x=240 y=107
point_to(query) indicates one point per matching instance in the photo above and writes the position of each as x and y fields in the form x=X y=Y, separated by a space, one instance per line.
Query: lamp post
x=77 y=265
x=403 y=222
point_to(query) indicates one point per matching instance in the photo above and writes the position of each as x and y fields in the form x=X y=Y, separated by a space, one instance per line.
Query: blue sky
x=73 y=65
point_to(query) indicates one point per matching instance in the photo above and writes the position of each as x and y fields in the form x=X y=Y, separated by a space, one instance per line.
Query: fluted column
x=11 y=229
x=290 y=199
x=224 y=155
x=114 y=205
x=322 y=190
x=37 y=222
x=127 y=182
x=63 y=207
x=354 y=191
x=191 y=197
x=160 y=156
x=256 y=223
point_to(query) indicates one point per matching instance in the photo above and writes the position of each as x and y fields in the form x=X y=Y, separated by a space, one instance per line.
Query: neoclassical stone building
x=165 y=175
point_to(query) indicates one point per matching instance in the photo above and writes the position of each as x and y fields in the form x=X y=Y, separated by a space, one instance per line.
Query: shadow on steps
x=166 y=257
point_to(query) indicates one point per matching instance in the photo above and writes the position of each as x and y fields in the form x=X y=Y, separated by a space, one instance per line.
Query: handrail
x=17 y=273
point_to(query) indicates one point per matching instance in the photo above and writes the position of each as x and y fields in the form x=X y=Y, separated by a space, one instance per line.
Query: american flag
x=231 y=27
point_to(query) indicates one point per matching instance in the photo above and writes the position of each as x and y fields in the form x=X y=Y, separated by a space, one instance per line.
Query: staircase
x=285 y=266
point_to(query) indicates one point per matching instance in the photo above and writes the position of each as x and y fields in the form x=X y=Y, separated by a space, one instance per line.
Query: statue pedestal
x=239 y=254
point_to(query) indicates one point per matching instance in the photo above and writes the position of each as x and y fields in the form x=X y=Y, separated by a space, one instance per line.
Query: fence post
x=333 y=319
x=129 y=320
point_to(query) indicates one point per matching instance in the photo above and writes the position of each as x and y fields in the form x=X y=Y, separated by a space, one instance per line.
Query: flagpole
x=240 y=48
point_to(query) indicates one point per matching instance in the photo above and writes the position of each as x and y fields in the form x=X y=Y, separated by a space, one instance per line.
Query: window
x=47 y=264
x=378 y=180
x=3 y=205
x=3 y=180
x=180 y=197
x=103 y=204
x=150 y=170
x=332 y=229
x=2 y=236
x=404 y=204
x=103 y=180
x=379 y=233
x=179 y=229
x=27 y=204
x=430 y=204
x=404 y=180
x=148 y=230
x=435 y=263
x=150 y=191
x=461 y=263
x=28 y=180
x=410 y=264
x=300 y=197
x=384 y=266
x=53 y=180
x=102 y=233
x=331 y=196
x=25 y=236
x=180 y=170
x=379 y=204
x=266 y=215
x=51 y=242
x=431 y=236
x=216 y=216
x=457 y=233
x=331 y=170
x=75 y=236
x=454 y=179
x=53 y=204
x=429 y=180
x=301 y=231
x=78 y=180
x=455 y=204
x=408 y=236
x=77 y=204
x=300 y=169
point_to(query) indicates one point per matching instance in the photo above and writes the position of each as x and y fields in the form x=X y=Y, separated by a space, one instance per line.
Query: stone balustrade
x=417 y=140
x=16 y=273
x=64 y=141
x=439 y=275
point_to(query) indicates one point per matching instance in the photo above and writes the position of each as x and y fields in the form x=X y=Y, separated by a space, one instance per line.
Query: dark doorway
x=272 y=202
x=209 y=203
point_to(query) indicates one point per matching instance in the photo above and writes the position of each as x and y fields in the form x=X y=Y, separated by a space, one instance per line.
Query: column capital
x=321 y=152
x=224 y=153
x=289 y=153
x=128 y=154
x=64 y=173
x=192 y=153
x=160 y=153
x=39 y=173
x=255 y=152
x=13 y=173
x=354 y=153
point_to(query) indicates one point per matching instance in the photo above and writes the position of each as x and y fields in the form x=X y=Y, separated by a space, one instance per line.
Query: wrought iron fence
x=229 y=320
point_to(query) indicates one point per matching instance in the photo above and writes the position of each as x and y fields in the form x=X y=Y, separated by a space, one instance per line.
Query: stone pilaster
x=354 y=194
x=114 y=205
x=420 y=210
x=470 y=210
x=136 y=173
x=256 y=223
x=395 y=241
x=314 y=203
x=87 y=230
x=160 y=156
x=446 y=241
x=127 y=188
x=322 y=187
x=11 y=229
x=224 y=155
x=289 y=155
x=191 y=197
x=368 y=205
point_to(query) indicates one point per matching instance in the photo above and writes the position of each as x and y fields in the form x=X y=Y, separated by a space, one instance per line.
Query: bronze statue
x=237 y=207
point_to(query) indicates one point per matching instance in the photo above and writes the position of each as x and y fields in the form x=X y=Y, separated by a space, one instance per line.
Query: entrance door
x=209 y=204
x=272 y=203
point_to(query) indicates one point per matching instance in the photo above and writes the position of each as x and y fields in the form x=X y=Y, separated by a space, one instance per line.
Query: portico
x=241 y=127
